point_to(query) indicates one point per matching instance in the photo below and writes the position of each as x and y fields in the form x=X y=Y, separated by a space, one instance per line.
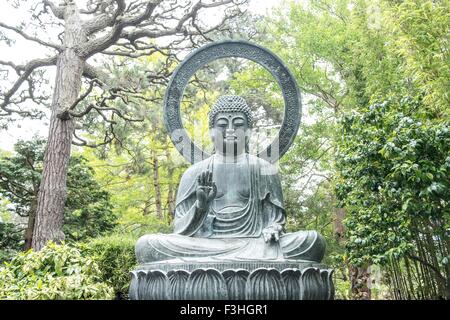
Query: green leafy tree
x=419 y=35
x=20 y=175
x=88 y=211
x=394 y=180
x=11 y=236
x=11 y=240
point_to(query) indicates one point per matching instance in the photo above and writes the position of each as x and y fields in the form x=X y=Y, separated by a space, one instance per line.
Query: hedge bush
x=56 y=272
x=115 y=257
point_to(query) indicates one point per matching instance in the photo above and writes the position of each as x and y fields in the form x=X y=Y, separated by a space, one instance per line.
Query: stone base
x=235 y=280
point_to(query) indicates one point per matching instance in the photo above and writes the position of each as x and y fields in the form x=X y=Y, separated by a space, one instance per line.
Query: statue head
x=230 y=121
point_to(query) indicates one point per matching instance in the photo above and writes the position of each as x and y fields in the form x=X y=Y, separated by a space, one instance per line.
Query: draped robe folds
x=231 y=235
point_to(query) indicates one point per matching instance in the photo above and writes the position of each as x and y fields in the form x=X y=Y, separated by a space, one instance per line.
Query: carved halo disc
x=227 y=49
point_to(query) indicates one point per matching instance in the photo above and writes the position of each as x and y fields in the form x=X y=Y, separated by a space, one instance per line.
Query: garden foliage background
x=369 y=168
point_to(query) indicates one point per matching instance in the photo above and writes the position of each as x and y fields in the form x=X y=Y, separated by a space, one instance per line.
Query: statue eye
x=238 y=122
x=222 y=123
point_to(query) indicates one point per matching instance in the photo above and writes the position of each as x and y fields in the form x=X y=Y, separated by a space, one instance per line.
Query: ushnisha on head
x=230 y=121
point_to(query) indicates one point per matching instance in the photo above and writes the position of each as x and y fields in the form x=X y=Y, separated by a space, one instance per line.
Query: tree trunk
x=53 y=188
x=32 y=212
x=360 y=279
x=338 y=225
x=30 y=227
x=171 y=190
x=359 y=276
x=157 y=187
x=170 y=195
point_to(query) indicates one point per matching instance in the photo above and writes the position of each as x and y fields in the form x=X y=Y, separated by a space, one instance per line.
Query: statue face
x=230 y=133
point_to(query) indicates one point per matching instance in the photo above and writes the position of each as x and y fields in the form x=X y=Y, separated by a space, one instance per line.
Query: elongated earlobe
x=212 y=135
x=247 y=143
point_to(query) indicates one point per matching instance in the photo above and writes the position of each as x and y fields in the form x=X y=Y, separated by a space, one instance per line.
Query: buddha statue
x=229 y=206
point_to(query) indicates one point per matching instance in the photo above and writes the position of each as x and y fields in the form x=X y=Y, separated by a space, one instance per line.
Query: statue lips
x=232 y=138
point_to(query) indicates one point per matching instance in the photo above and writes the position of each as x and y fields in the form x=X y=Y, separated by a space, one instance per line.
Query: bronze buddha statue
x=230 y=206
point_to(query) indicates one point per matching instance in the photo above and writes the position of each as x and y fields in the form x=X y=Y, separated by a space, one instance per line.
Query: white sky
x=24 y=50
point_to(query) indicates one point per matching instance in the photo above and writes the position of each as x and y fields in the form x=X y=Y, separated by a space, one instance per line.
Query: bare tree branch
x=192 y=14
x=58 y=11
x=84 y=143
x=24 y=71
x=85 y=94
x=103 y=106
x=129 y=54
x=117 y=15
x=12 y=65
x=92 y=72
x=28 y=37
x=96 y=7
x=102 y=43
x=103 y=20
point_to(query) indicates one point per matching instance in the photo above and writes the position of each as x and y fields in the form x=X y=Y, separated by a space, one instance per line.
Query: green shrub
x=342 y=289
x=115 y=257
x=394 y=169
x=55 y=272
x=11 y=240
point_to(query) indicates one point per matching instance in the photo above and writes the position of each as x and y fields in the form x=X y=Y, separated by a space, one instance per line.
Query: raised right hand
x=206 y=190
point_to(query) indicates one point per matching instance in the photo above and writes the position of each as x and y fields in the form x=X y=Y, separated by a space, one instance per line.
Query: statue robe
x=231 y=235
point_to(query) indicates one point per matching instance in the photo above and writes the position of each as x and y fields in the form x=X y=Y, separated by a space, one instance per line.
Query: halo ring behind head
x=226 y=49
